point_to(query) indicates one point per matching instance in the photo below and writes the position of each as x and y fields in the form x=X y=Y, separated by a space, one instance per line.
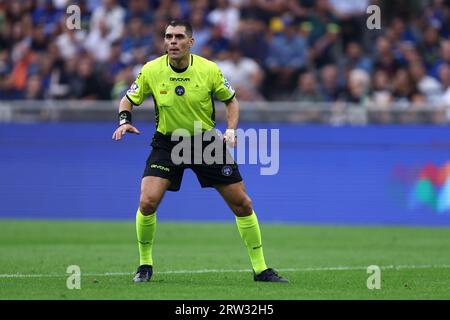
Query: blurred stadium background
x=364 y=143
x=363 y=114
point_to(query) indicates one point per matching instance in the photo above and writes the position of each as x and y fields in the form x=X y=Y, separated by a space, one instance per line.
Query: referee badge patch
x=179 y=90
x=227 y=171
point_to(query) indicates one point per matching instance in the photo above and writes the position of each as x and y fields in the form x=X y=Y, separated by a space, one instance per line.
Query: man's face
x=176 y=42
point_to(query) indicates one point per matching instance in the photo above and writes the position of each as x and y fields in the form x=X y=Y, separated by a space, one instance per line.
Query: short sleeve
x=139 y=90
x=221 y=87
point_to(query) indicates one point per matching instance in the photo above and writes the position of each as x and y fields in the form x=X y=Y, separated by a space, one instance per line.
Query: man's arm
x=232 y=121
x=125 y=108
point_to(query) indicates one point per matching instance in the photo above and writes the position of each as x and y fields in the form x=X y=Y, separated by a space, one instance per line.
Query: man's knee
x=244 y=207
x=148 y=205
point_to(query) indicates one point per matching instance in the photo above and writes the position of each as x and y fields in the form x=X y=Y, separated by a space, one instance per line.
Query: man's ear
x=192 y=42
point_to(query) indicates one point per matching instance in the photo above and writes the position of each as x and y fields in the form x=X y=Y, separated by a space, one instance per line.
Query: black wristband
x=124 y=117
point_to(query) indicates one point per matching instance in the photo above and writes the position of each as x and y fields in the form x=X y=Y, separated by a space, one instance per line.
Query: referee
x=182 y=85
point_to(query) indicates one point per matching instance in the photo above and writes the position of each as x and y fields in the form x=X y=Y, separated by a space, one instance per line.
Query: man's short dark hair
x=183 y=23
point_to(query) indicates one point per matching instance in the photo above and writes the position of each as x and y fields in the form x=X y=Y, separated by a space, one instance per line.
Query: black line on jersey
x=156 y=112
x=213 y=114
x=228 y=100
x=167 y=60
x=192 y=59
x=131 y=101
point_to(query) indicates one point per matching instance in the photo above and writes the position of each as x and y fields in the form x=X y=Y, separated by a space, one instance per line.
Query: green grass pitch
x=209 y=261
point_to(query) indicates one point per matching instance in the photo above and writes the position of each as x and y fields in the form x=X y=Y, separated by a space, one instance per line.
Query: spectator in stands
x=14 y=11
x=244 y=73
x=109 y=18
x=202 y=5
x=288 y=54
x=274 y=8
x=34 y=90
x=444 y=77
x=382 y=89
x=324 y=34
x=22 y=58
x=252 y=9
x=139 y=9
x=250 y=41
x=225 y=17
x=405 y=90
x=218 y=42
x=5 y=70
x=352 y=18
x=88 y=85
x=122 y=82
x=410 y=54
x=427 y=86
x=327 y=34
x=47 y=15
x=429 y=49
x=299 y=8
x=136 y=38
x=400 y=32
x=18 y=37
x=307 y=89
x=98 y=42
x=70 y=42
x=354 y=59
x=444 y=57
x=201 y=29
x=66 y=81
x=207 y=52
x=330 y=88
x=39 y=40
x=114 y=64
x=358 y=87
x=384 y=57
x=437 y=14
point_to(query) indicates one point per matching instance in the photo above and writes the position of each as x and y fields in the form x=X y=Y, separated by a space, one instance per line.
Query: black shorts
x=160 y=164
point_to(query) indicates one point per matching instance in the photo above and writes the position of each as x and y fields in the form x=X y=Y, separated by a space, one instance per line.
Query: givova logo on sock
x=431 y=188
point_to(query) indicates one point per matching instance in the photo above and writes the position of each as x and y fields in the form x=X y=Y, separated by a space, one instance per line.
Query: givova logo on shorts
x=160 y=167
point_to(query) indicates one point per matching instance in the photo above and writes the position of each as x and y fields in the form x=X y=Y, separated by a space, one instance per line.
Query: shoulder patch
x=228 y=85
x=133 y=89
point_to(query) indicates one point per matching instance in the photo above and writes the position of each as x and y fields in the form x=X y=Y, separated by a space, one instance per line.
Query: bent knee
x=244 y=207
x=148 y=205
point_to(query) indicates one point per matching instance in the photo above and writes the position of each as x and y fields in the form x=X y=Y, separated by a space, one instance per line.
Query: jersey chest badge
x=179 y=90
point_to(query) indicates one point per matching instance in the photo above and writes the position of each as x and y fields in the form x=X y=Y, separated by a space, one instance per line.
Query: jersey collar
x=176 y=69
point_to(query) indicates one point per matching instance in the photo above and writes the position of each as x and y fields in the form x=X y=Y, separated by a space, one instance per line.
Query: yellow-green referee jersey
x=181 y=96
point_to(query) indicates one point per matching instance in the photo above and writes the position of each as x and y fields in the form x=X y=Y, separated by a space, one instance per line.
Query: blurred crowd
x=272 y=50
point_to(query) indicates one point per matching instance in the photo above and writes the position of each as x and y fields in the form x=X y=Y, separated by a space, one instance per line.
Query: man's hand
x=230 y=137
x=120 y=131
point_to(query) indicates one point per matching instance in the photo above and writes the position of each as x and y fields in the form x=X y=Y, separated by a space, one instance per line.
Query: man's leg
x=247 y=223
x=246 y=220
x=152 y=192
